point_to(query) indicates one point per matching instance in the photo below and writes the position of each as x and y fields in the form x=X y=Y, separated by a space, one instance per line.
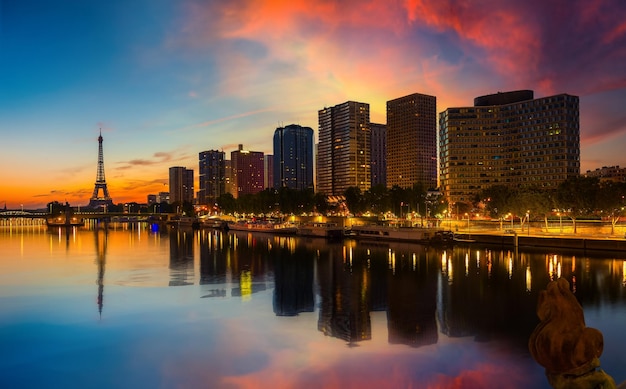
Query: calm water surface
x=133 y=307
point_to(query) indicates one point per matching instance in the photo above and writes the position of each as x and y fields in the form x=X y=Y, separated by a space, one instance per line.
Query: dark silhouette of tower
x=101 y=238
x=101 y=184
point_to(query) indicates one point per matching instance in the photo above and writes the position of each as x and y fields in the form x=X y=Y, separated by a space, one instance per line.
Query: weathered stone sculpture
x=563 y=345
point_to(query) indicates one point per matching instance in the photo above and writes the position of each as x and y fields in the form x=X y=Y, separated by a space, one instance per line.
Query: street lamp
x=468 y=224
x=528 y=221
x=560 y=222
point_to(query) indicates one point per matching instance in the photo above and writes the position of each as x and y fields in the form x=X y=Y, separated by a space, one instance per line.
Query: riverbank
x=570 y=243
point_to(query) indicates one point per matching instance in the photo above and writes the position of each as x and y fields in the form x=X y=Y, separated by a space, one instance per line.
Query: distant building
x=181 y=185
x=212 y=179
x=293 y=157
x=152 y=199
x=508 y=139
x=611 y=173
x=163 y=197
x=248 y=171
x=412 y=141
x=378 y=154
x=343 y=154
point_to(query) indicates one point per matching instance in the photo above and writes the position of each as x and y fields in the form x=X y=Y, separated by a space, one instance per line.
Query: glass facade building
x=508 y=138
x=293 y=157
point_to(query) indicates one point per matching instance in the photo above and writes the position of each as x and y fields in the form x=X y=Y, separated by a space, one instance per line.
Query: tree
x=354 y=200
x=611 y=201
x=227 y=203
x=321 y=203
x=498 y=200
x=577 y=196
x=377 y=199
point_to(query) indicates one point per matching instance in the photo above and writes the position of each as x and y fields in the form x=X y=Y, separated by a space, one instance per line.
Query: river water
x=135 y=306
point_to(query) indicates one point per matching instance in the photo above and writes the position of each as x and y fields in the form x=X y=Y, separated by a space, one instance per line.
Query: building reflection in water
x=181 y=256
x=100 y=239
x=344 y=287
x=293 y=278
x=411 y=313
x=484 y=294
x=240 y=259
x=426 y=292
x=214 y=263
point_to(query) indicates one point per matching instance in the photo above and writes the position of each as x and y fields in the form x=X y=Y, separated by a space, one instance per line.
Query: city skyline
x=167 y=81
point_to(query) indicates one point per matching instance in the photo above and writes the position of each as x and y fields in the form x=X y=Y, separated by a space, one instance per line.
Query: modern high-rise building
x=247 y=171
x=293 y=157
x=230 y=186
x=212 y=178
x=268 y=168
x=181 y=185
x=343 y=154
x=412 y=141
x=378 y=154
x=511 y=139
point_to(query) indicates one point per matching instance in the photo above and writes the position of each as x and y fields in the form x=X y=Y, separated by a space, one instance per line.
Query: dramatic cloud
x=213 y=74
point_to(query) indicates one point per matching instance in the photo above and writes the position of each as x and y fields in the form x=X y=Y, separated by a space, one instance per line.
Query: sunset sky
x=165 y=80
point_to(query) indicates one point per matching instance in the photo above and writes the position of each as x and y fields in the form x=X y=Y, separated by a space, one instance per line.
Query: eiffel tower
x=101 y=184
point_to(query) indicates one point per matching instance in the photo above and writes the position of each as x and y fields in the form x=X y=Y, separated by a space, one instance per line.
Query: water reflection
x=439 y=313
x=293 y=278
x=100 y=240
x=425 y=292
x=181 y=257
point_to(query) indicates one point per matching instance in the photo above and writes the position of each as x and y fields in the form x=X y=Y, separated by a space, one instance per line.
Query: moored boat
x=64 y=221
x=263 y=226
x=325 y=230
x=184 y=222
x=381 y=232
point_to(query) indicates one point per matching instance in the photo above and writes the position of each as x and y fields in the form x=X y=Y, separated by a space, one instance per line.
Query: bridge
x=23 y=214
x=114 y=216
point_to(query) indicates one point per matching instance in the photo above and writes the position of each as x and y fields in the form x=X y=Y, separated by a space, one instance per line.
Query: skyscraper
x=508 y=139
x=212 y=178
x=412 y=141
x=343 y=155
x=378 y=154
x=247 y=171
x=293 y=157
x=181 y=185
x=268 y=168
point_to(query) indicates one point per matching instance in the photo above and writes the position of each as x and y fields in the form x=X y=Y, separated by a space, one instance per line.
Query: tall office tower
x=378 y=154
x=343 y=155
x=293 y=157
x=511 y=139
x=181 y=185
x=268 y=168
x=412 y=141
x=247 y=171
x=212 y=178
x=230 y=183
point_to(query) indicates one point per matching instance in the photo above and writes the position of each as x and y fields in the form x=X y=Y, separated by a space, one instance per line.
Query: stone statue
x=563 y=345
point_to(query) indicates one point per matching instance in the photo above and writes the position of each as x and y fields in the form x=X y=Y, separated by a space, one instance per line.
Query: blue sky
x=165 y=80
